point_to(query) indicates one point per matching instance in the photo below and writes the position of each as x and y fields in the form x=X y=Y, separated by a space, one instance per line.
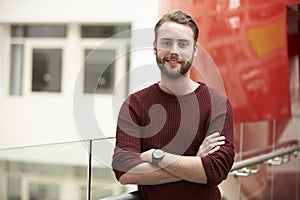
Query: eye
x=166 y=43
x=183 y=44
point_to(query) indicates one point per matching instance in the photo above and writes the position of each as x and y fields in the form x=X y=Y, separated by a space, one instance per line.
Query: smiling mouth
x=173 y=62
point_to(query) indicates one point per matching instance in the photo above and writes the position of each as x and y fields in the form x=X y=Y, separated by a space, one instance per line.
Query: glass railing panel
x=104 y=183
x=286 y=177
x=272 y=181
x=57 y=171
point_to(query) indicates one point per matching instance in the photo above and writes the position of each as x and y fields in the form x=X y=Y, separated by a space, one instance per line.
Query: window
x=37 y=49
x=105 y=31
x=99 y=70
x=39 y=31
x=13 y=188
x=46 y=70
x=43 y=191
x=106 y=63
x=16 y=69
x=39 y=52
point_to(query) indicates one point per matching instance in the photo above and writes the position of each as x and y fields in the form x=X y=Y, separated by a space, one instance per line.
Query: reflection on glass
x=44 y=172
x=104 y=183
x=43 y=191
x=13 y=188
x=58 y=171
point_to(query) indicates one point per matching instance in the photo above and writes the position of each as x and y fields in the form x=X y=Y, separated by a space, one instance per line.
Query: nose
x=174 y=49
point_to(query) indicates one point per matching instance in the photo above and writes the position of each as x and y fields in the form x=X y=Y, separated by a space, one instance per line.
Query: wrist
x=157 y=156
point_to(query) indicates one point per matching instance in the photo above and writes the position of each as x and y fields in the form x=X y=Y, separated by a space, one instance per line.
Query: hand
x=211 y=144
x=147 y=155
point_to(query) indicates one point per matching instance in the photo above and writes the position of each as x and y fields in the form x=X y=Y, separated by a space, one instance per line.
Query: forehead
x=172 y=30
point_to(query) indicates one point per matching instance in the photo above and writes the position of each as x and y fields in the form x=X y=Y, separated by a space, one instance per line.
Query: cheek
x=161 y=48
x=161 y=53
x=188 y=55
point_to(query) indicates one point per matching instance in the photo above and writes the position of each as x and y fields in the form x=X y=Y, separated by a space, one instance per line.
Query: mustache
x=173 y=58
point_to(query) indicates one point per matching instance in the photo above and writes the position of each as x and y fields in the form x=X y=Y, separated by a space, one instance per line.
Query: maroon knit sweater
x=151 y=118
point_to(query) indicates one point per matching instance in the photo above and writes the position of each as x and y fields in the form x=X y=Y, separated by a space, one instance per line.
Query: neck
x=181 y=86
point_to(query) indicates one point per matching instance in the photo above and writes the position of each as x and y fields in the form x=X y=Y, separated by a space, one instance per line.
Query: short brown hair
x=180 y=18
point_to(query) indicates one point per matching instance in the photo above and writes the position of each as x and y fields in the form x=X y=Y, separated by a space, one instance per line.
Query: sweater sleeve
x=128 y=140
x=218 y=165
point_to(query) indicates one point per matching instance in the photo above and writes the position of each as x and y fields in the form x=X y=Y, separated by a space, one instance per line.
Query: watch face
x=157 y=154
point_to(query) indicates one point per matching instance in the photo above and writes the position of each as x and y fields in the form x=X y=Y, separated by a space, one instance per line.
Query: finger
x=211 y=151
x=214 y=145
x=221 y=137
x=214 y=140
x=221 y=143
x=218 y=141
x=204 y=155
x=214 y=150
x=215 y=134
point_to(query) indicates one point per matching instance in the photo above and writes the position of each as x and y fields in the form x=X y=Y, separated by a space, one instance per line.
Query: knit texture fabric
x=151 y=118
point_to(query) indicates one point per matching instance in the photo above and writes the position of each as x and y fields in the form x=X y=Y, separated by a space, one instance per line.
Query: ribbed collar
x=173 y=98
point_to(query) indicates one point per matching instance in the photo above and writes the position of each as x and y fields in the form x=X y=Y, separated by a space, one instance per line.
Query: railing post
x=89 y=172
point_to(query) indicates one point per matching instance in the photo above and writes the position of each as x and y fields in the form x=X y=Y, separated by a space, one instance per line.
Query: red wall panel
x=247 y=41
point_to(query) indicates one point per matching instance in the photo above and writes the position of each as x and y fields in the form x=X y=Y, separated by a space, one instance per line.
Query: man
x=175 y=138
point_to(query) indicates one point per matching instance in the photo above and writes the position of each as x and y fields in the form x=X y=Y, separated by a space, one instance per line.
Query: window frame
x=29 y=43
x=120 y=46
x=72 y=46
x=28 y=65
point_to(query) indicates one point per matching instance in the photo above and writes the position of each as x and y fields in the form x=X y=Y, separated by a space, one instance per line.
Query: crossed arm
x=173 y=167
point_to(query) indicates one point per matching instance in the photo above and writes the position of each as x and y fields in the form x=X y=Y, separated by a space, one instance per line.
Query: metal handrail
x=275 y=158
x=267 y=149
x=128 y=196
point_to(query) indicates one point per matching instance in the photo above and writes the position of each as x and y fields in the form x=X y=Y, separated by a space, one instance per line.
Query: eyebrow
x=166 y=39
x=180 y=40
x=184 y=40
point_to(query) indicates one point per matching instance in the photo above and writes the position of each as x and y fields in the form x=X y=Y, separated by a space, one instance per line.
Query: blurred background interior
x=65 y=67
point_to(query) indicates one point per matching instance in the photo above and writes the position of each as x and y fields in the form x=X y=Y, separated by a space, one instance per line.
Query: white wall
x=20 y=11
x=49 y=118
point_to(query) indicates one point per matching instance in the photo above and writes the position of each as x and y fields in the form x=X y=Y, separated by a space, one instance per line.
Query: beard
x=173 y=73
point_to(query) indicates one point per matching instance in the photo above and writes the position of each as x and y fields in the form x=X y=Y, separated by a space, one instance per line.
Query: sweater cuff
x=206 y=163
x=124 y=163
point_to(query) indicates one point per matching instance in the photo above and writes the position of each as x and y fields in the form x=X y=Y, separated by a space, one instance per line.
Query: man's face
x=174 y=49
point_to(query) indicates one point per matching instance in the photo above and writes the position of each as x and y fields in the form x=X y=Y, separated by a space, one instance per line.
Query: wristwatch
x=157 y=155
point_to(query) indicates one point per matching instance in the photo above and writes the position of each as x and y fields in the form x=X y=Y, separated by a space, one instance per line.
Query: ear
x=154 y=48
x=195 y=49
